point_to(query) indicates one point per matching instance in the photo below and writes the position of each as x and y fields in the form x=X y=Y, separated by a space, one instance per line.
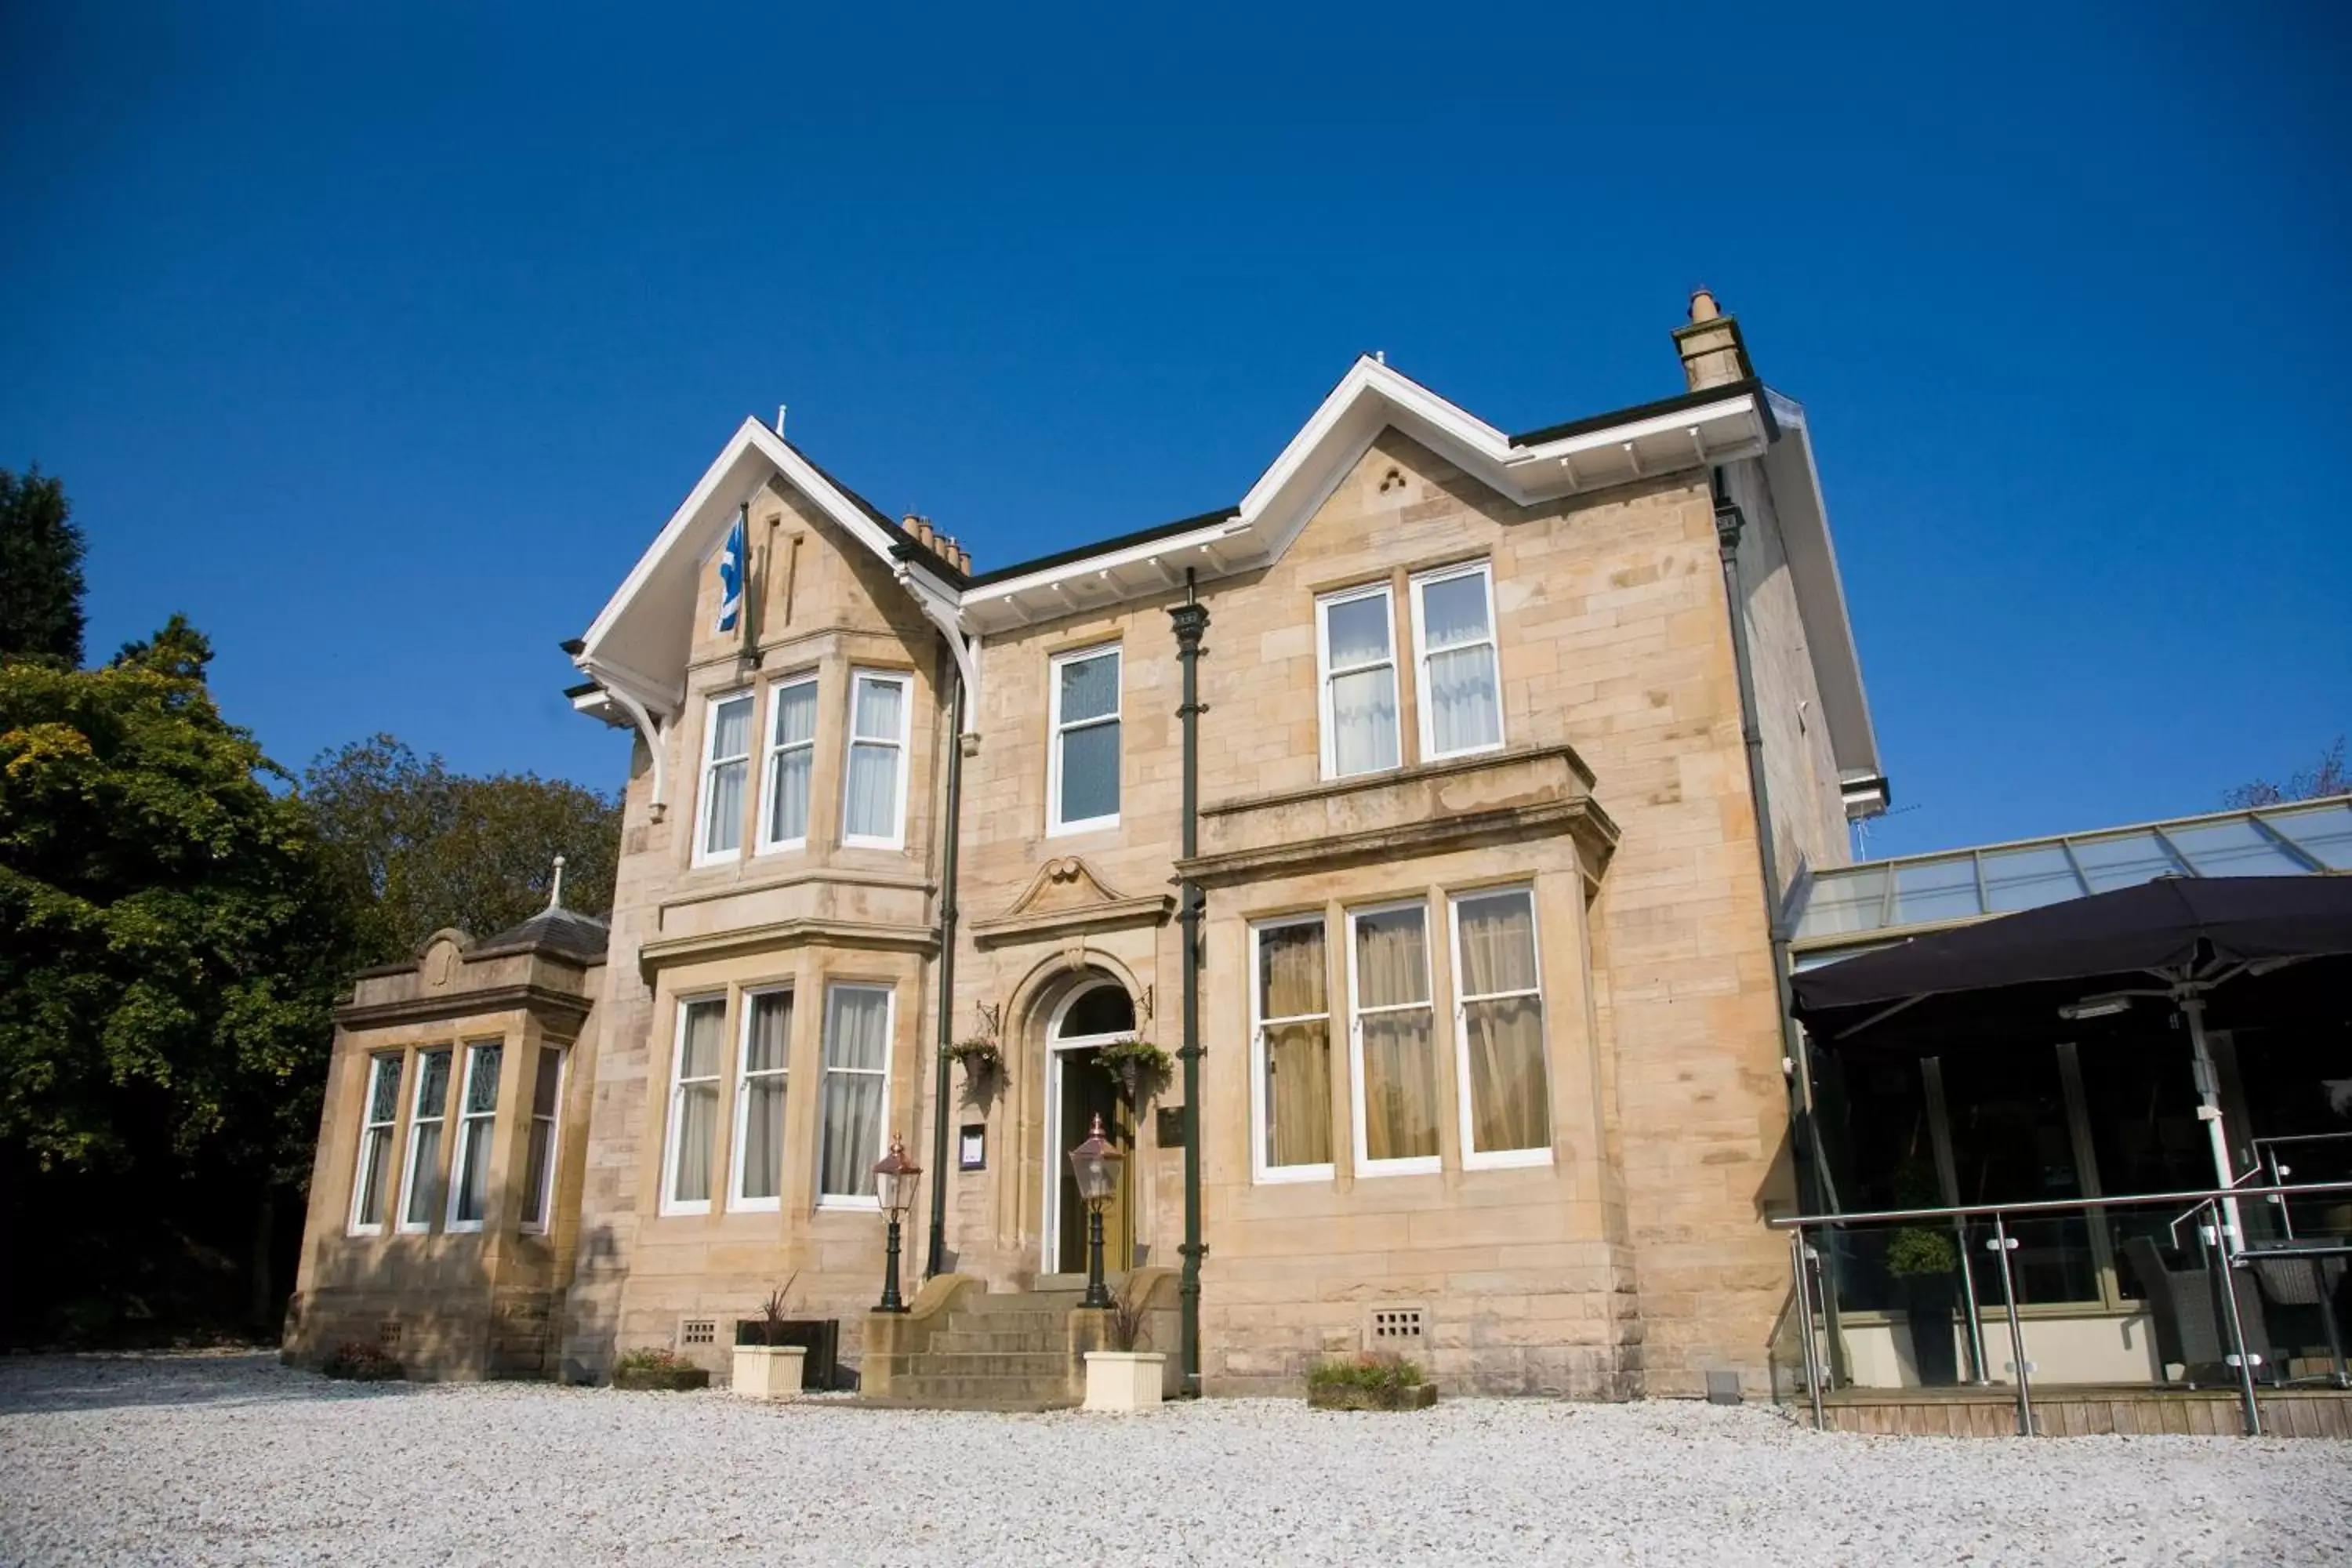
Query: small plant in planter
x=1371 y=1381
x=1142 y=1068
x=661 y=1369
x=766 y=1366
x=981 y=1060
x=1125 y=1376
x=358 y=1361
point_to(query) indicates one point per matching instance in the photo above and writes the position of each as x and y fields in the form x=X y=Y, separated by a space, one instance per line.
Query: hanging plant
x=1142 y=1068
x=980 y=1058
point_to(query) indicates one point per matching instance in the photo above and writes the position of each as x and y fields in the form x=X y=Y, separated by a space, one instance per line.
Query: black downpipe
x=1729 y=523
x=1191 y=618
x=935 y=1259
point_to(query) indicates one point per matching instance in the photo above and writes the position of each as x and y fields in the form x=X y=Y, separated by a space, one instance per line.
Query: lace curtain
x=730 y=753
x=878 y=721
x=1465 y=708
x=856 y=1052
x=695 y=1106
x=765 y=1042
x=1364 y=685
x=794 y=751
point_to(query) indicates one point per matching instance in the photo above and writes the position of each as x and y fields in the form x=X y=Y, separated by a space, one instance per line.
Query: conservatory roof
x=1871 y=903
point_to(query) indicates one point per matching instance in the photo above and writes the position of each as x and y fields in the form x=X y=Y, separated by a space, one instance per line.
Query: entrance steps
x=962 y=1346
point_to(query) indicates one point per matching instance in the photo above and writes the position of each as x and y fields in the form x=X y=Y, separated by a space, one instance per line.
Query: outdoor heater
x=895 y=1176
x=1096 y=1163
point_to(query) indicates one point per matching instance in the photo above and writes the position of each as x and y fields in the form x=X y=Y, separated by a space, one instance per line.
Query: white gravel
x=234 y=1459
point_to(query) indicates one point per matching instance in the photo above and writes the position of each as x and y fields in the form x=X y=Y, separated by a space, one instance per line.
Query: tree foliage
x=411 y=847
x=40 y=570
x=2326 y=777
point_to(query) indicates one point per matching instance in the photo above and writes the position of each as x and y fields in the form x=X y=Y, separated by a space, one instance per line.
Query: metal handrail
x=2050 y=1205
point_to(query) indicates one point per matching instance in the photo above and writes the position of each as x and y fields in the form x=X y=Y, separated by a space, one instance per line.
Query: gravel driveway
x=234 y=1459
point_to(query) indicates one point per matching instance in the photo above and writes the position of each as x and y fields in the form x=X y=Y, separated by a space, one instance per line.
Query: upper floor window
x=857 y=1062
x=874 y=812
x=469 y=1170
x=792 y=756
x=694 y=1107
x=1290 y=1012
x=759 y=1101
x=1395 y=1048
x=539 y=1159
x=379 y=1113
x=726 y=758
x=420 y=1189
x=1499 y=1030
x=1356 y=644
x=1453 y=638
x=1082 y=785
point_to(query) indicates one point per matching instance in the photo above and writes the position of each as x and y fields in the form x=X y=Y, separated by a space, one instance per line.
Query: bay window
x=1392 y=1047
x=1290 y=1017
x=759 y=1101
x=1356 y=652
x=792 y=755
x=1453 y=639
x=1083 y=759
x=726 y=758
x=478 y=1106
x=380 y=1111
x=874 y=810
x=1499 y=1030
x=420 y=1189
x=693 y=1107
x=857 y=1061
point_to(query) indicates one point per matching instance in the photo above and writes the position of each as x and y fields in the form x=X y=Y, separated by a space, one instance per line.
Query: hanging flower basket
x=981 y=1059
x=1142 y=1068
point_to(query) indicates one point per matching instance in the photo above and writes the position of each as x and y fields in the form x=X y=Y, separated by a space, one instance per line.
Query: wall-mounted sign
x=972 y=1147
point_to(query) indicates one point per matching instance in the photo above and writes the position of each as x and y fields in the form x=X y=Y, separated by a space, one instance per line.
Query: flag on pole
x=731 y=577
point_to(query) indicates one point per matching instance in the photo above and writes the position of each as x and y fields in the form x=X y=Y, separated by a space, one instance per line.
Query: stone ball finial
x=1703 y=307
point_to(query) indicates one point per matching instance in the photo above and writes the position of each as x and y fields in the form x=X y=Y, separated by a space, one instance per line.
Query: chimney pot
x=1703 y=307
x=1713 y=352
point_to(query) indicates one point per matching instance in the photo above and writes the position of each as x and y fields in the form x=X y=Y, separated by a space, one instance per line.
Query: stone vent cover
x=387 y=1334
x=697 y=1331
x=1394 y=1328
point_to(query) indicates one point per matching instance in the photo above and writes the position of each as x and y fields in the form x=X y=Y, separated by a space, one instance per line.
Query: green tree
x=168 y=954
x=40 y=570
x=413 y=847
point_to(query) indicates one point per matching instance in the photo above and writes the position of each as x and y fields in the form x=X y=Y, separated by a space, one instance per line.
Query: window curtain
x=425 y=1138
x=697 y=1101
x=763 y=1095
x=788 y=794
x=540 y=1159
x=1363 y=701
x=1510 y=1100
x=376 y=1132
x=856 y=1049
x=873 y=785
x=1465 y=708
x=1400 y=1087
x=474 y=1137
x=730 y=740
x=1297 y=1054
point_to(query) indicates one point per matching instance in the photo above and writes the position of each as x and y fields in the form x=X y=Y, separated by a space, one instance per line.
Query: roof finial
x=555 y=886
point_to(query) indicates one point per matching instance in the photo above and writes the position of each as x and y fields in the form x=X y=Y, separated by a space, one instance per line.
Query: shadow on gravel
x=48 y=1384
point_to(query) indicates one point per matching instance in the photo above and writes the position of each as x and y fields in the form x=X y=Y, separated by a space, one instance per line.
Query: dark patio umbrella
x=2177 y=938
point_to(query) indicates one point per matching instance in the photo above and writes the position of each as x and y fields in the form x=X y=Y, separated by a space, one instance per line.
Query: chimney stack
x=1713 y=353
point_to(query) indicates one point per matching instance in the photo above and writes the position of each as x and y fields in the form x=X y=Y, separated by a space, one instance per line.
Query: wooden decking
x=2082 y=1410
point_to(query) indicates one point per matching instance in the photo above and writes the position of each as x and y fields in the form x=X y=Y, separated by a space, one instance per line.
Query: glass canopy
x=1878 y=898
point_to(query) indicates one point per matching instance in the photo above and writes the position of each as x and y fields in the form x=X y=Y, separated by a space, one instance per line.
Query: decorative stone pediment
x=1066 y=897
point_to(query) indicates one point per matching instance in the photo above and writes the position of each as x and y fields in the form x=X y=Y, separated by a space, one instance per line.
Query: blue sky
x=381 y=339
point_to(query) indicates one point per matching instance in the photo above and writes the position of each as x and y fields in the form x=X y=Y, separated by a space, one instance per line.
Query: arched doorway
x=1093 y=1015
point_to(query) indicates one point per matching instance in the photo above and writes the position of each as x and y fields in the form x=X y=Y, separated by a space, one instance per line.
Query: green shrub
x=650 y=1359
x=357 y=1360
x=1377 y=1371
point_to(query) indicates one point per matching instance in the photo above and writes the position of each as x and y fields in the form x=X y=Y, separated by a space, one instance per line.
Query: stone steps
x=995 y=1350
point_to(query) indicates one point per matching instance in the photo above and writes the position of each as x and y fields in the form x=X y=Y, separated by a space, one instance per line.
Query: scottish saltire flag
x=731 y=578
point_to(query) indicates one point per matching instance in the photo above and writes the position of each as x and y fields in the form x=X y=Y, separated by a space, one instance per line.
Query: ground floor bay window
x=1499 y=1034
x=852 y=1100
x=469 y=1169
x=1291 y=1035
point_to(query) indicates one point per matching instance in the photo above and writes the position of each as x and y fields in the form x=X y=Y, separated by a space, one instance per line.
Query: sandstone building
x=1506 y=748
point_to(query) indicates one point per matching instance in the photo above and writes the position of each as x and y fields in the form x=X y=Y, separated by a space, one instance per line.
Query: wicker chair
x=2188 y=1331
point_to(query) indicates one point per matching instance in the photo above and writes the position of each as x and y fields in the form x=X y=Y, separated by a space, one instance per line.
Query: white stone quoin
x=769 y=1371
x=1124 y=1380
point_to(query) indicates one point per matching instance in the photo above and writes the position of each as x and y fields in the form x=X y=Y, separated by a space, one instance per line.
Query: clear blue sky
x=380 y=340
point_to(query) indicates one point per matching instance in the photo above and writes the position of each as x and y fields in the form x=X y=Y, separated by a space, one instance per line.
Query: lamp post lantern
x=1096 y=1163
x=894 y=1186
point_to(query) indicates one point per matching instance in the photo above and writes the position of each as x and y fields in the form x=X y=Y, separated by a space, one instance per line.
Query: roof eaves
x=1104 y=546
x=1641 y=411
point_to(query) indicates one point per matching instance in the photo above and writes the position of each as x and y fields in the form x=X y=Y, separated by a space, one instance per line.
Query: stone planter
x=671 y=1378
x=770 y=1371
x=1346 y=1397
x=1124 y=1380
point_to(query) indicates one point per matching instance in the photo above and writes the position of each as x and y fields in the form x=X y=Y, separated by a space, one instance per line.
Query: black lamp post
x=1095 y=1163
x=894 y=1185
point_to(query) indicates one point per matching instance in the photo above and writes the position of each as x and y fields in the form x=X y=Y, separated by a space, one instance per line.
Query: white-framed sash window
x=1391 y=1040
x=856 y=1074
x=420 y=1188
x=1290 y=1035
x=477 y=1109
x=1460 y=691
x=726 y=764
x=538 y=1158
x=792 y=763
x=1498 y=1030
x=1356 y=652
x=378 y=1118
x=692 y=1139
x=873 y=808
x=1083 y=762
x=758 y=1148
